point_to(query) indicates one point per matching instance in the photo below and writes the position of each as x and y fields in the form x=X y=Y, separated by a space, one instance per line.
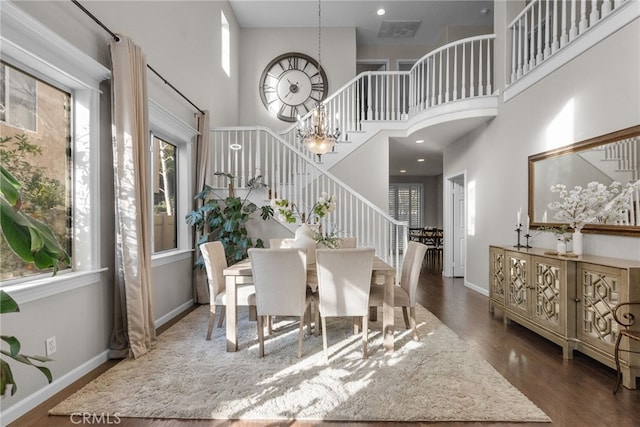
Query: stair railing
x=248 y=152
x=458 y=70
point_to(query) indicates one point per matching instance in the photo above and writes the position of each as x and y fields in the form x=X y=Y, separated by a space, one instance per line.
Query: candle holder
x=526 y=236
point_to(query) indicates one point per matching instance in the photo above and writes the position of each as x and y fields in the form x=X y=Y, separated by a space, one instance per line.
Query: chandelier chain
x=319 y=35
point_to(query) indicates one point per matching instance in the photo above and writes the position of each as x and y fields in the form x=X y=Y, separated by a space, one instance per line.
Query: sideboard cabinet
x=569 y=301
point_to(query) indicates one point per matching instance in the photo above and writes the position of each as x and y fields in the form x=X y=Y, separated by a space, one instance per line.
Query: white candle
x=519 y=212
x=526 y=227
x=544 y=216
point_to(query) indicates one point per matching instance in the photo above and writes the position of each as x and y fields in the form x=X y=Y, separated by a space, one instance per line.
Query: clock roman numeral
x=293 y=63
x=317 y=87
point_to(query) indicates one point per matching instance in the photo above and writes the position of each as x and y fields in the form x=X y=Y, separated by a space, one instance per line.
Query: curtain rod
x=116 y=38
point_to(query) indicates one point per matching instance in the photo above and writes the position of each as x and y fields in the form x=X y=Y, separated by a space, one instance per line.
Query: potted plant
x=34 y=242
x=225 y=219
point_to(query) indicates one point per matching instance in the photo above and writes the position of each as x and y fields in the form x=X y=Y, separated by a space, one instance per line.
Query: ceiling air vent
x=398 y=29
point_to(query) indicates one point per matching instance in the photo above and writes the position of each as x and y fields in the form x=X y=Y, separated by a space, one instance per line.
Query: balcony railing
x=546 y=26
x=456 y=71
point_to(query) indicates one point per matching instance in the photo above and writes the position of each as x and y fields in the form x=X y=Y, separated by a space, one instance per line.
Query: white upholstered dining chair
x=276 y=242
x=405 y=295
x=348 y=243
x=215 y=262
x=344 y=279
x=280 y=278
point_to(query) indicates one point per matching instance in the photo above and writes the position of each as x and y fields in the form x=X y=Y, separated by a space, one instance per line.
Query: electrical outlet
x=50 y=345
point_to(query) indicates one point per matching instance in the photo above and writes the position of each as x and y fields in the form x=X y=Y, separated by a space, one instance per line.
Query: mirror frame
x=622 y=230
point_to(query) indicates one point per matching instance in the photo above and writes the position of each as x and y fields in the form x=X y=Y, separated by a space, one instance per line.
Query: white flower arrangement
x=594 y=203
x=289 y=212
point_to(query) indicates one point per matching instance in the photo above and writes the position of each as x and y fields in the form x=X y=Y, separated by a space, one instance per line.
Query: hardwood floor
x=572 y=392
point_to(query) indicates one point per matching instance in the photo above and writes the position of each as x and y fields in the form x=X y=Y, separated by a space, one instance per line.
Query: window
x=18 y=94
x=171 y=190
x=405 y=203
x=164 y=195
x=50 y=93
x=40 y=161
x=225 y=49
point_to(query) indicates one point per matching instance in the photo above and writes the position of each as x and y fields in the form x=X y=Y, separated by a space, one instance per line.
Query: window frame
x=27 y=44
x=168 y=127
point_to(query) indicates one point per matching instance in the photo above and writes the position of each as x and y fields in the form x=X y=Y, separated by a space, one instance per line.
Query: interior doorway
x=455 y=249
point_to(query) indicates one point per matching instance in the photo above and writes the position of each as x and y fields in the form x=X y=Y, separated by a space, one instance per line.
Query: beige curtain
x=203 y=174
x=134 y=330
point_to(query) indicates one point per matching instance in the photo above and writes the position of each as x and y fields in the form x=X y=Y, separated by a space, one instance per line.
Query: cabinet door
x=599 y=290
x=548 y=293
x=497 y=275
x=517 y=283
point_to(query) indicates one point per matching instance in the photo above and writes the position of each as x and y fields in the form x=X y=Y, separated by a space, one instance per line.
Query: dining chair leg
x=270 y=325
x=412 y=320
x=365 y=336
x=405 y=315
x=300 y=334
x=221 y=309
x=355 y=326
x=324 y=337
x=212 y=317
x=316 y=320
x=260 y=336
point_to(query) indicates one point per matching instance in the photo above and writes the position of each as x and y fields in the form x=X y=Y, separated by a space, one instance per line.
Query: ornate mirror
x=605 y=159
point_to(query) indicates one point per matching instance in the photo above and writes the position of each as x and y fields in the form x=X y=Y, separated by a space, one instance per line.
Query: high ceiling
x=433 y=16
x=429 y=18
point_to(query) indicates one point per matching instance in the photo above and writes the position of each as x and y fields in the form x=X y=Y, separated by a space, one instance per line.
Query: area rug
x=438 y=378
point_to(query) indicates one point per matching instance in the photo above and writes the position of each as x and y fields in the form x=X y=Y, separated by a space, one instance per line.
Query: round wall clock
x=291 y=85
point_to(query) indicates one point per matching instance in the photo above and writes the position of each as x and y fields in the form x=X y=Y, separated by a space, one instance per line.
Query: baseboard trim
x=476 y=288
x=25 y=405
x=173 y=313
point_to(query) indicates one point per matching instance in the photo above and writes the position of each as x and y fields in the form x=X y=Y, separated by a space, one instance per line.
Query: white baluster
x=433 y=80
x=369 y=109
x=547 y=24
x=539 y=31
x=448 y=73
x=606 y=7
x=594 y=17
x=573 y=30
x=584 y=24
x=564 y=38
x=527 y=58
x=520 y=70
x=472 y=70
x=480 y=85
x=513 y=55
x=440 y=86
x=464 y=71
x=489 y=62
x=455 y=72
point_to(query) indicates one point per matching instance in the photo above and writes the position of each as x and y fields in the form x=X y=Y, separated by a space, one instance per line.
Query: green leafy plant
x=561 y=233
x=225 y=219
x=34 y=242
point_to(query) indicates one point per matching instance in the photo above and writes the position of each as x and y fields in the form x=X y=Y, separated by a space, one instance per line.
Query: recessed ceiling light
x=421 y=160
x=235 y=147
x=484 y=11
x=419 y=141
x=403 y=170
x=381 y=12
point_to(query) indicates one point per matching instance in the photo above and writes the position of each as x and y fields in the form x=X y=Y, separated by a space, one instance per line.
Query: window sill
x=45 y=287
x=169 y=257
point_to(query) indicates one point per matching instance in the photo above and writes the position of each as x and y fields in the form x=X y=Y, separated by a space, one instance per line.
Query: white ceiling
x=434 y=16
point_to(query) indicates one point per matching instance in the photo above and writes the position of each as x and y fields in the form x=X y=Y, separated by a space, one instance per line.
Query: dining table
x=240 y=273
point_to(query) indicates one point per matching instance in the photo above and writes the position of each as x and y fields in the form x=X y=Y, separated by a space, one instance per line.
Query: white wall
x=594 y=94
x=258 y=46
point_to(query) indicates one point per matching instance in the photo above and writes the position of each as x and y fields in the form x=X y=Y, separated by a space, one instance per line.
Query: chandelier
x=316 y=136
